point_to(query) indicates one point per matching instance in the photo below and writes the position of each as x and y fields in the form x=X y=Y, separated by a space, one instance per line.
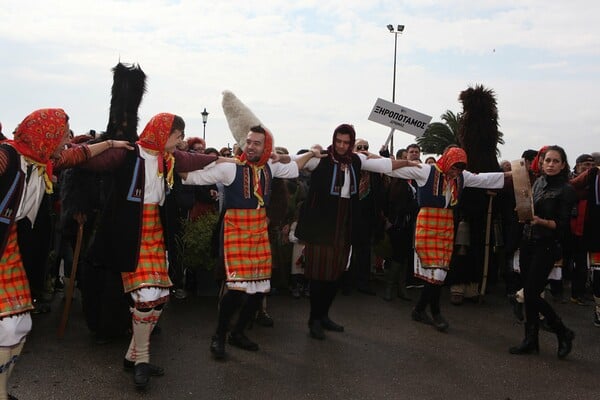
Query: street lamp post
x=204 y=119
x=396 y=32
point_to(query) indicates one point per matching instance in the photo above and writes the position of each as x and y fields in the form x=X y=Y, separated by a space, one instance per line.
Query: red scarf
x=258 y=166
x=38 y=137
x=451 y=157
x=154 y=137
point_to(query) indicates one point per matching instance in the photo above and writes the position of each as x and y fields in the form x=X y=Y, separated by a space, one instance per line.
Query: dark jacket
x=318 y=219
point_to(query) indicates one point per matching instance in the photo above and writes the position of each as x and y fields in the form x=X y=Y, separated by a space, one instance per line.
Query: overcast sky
x=304 y=67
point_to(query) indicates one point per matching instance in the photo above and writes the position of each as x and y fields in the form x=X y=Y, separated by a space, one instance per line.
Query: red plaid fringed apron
x=15 y=296
x=151 y=270
x=246 y=248
x=434 y=237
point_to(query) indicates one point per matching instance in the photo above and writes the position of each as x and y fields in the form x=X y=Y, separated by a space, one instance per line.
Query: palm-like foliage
x=440 y=135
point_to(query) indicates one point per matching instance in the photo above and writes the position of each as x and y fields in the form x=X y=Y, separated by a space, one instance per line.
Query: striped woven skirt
x=246 y=250
x=15 y=296
x=434 y=242
x=327 y=262
x=152 y=268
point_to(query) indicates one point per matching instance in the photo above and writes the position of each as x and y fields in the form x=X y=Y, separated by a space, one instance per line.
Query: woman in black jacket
x=553 y=200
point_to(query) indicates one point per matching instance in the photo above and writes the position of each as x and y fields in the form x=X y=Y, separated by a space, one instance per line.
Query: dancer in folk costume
x=83 y=196
x=440 y=186
x=26 y=166
x=132 y=235
x=328 y=220
x=478 y=208
x=245 y=249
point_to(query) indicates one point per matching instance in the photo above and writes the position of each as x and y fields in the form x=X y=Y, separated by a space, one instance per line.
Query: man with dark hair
x=245 y=250
x=328 y=220
x=414 y=152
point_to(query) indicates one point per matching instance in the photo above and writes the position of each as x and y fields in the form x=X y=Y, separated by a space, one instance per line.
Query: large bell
x=462 y=239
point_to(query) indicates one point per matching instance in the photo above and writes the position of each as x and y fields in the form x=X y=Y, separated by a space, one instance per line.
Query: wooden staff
x=486 y=256
x=71 y=288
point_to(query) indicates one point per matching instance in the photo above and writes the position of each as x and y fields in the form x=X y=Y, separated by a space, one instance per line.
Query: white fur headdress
x=239 y=117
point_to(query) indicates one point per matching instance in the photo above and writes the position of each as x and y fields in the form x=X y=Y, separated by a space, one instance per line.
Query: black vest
x=118 y=238
x=12 y=183
x=317 y=221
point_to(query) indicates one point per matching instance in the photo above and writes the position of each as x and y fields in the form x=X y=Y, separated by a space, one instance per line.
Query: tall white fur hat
x=239 y=117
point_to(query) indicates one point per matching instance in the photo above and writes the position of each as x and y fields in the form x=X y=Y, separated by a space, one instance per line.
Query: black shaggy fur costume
x=479 y=137
x=106 y=307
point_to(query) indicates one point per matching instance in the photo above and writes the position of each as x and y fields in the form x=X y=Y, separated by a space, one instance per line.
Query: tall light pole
x=396 y=32
x=204 y=119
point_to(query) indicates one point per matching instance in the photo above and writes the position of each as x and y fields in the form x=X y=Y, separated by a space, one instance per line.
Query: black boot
x=315 y=329
x=565 y=338
x=531 y=343
x=141 y=375
x=217 y=346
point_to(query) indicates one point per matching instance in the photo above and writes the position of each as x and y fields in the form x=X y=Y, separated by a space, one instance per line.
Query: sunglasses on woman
x=361 y=147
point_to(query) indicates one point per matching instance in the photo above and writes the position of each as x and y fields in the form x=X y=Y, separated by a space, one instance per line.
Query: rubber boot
x=531 y=342
x=565 y=338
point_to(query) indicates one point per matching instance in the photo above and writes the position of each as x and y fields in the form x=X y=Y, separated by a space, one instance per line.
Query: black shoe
x=421 y=316
x=141 y=375
x=155 y=370
x=40 y=307
x=240 y=340
x=264 y=319
x=316 y=329
x=217 y=346
x=440 y=323
x=11 y=397
x=529 y=345
x=329 y=325
x=565 y=338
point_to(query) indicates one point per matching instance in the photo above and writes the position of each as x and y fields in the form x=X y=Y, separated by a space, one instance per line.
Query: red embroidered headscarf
x=451 y=157
x=154 y=137
x=257 y=166
x=38 y=137
x=535 y=164
x=266 y=153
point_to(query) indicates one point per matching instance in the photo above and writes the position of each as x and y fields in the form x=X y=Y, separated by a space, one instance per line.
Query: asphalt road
x=382 y=354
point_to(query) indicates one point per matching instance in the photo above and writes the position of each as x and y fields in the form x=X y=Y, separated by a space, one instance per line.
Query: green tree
x=439 y=135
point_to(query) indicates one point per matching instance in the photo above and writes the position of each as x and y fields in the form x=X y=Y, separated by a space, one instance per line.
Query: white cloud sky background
x=304 y=67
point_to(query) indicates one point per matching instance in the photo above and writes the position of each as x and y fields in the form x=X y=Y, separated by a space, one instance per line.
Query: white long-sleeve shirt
x=486 y=180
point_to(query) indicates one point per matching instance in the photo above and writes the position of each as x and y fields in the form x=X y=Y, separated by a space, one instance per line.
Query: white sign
x=399 y=117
